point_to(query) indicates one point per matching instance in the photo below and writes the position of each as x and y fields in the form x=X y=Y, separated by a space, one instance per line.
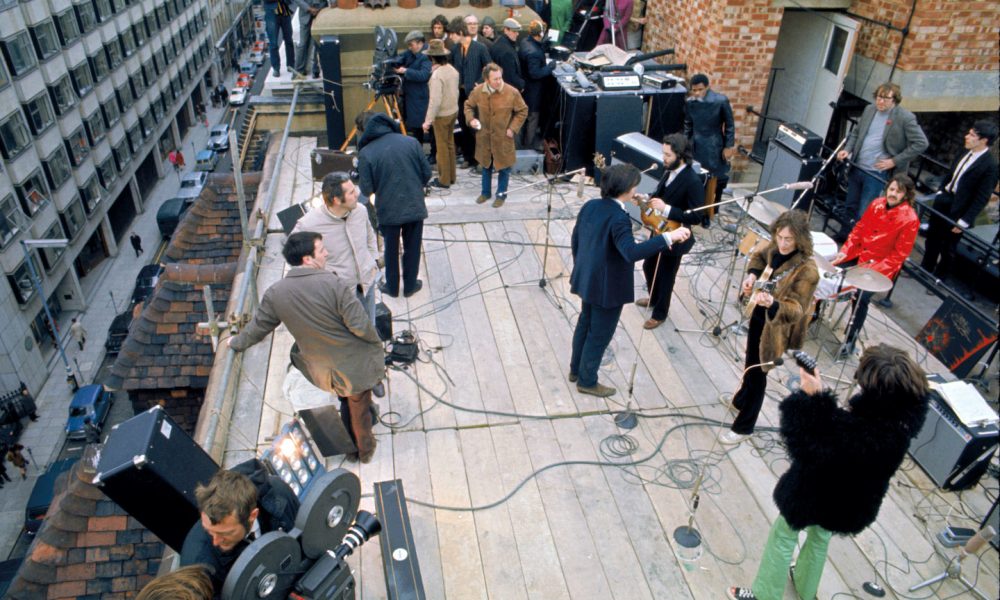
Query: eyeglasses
x=885 y=97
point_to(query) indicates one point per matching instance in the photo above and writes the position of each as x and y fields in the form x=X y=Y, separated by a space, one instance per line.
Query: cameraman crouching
x=841 y=462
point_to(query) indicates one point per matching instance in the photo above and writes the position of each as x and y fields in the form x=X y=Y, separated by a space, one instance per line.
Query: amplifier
x=799 y=140
x=618 y=81
x=326 y=161
x=529 y=162
x=953 y=456
x=641 y=152
x=660 y=81
x=149 y=456
x=383 y=322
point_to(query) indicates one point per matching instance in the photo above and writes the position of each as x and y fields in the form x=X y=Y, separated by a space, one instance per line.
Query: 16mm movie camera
x=383 y=80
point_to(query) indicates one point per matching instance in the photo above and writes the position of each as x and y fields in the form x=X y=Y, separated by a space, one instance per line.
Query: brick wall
x=731 y=41
x=945 y=35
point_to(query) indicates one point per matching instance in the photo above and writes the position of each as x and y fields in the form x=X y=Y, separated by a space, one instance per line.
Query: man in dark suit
x=885 y=141
x=709 y=125
x=679 y=190
x=536 y=72
x=504 y=52
x=967 y=189
x=468 y=57
x=604 y=252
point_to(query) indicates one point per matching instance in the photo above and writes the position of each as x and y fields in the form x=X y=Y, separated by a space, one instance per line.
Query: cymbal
x=762 y=210
x=823 y=264
x=868 y=280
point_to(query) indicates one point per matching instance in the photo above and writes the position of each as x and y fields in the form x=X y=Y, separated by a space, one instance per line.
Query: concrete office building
x=93 y=96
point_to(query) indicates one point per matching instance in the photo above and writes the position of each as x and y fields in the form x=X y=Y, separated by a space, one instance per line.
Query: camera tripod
x=391 y=108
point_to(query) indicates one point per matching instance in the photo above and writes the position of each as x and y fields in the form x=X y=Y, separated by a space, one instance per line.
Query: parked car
x=238 y=96
x=191 y=184
x=218 y=138
x=117 y=332
x=260 y=45
x=257 y=57
x=145 y=282
x=248 y=67
x=89 y=402
x=206 y=160
x=170 y=214
x=8 y=571
x=43 y=493
x=243 y=80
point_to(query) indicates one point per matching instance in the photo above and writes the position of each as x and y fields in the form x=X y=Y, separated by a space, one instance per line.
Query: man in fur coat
x=841 y=462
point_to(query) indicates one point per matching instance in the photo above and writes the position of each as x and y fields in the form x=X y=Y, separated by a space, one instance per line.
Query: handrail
x=218 y=415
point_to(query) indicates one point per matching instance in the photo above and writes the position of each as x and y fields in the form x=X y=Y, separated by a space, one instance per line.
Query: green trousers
x=773 y=572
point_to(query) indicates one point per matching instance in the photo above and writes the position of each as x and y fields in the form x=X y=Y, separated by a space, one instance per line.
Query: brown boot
x=361 y=424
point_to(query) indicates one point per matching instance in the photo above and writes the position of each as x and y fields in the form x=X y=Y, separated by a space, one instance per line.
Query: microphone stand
x=815 y=179
x=686 y=535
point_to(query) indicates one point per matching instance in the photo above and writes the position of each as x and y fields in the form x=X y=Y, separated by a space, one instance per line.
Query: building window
x=157 y=107
x=148 y=124
x=73 y=219
x=128 y=42
x=83 y=81
x=33 y=193
x=86 y=16
x=57 y=168
x=151 y=27
x=122 y=155
x=39 y=113
x=46 y=39
x=118 y=5
x=21 y=284
x=147 y=73
x=77 y=146
x=4 y=80
x=50 y=256
x=69 y=29
x=106 y=171
x=134 y=135
x=90 y=193
x=135 y=85
x=161 y=15
x=835 y=51
x=20 y=57
x=111 y=112
x=139 y=34
x=62 y=95
x=103 y=8
x=99 y=66
x=114 y=51
x=95 y=127
x=14 y=137
x=11 y=220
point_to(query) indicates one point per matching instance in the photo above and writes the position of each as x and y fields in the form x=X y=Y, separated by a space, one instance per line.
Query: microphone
x=798 y=185
x=579 y=186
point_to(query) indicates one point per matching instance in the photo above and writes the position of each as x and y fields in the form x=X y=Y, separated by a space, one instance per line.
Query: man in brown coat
x=496 y=111
x=336 y=345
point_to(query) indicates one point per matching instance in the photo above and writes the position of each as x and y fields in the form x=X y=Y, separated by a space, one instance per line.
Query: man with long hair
x=881 y=240
x=779 y=318
x=841 y=462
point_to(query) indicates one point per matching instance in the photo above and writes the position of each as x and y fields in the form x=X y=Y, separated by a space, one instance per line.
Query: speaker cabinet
x=782 y=166
x=953 y=456
x=150 y=466
x=333 y=92
x=616 y=115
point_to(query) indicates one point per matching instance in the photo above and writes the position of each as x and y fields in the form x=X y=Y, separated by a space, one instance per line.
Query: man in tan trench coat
x=496 y=111
x=336 y=345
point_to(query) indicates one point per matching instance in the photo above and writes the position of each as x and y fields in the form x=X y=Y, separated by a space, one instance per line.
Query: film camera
x=308 y=561
x=383 y=79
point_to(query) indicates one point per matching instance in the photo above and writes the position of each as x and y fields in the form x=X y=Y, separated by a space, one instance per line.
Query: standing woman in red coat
x=881 y=240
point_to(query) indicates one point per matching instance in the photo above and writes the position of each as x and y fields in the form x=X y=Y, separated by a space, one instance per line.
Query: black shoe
x=437 y=183
x=884 y=303
x=416 y=288
x=385 y=290
x=706 y=222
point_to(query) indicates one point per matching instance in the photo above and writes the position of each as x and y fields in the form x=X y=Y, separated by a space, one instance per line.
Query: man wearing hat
x=416 y=71
x=488 y=32
x=442 y=111
x=496 y=111
x=504 y=54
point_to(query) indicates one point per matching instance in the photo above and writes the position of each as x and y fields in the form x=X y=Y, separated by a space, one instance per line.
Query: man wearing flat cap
x=504 y=53
x=416 y=71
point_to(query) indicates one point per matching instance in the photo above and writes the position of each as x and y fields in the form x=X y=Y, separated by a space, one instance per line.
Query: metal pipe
x=215 y=415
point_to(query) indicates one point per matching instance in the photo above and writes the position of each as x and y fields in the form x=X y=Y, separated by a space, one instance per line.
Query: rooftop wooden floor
x=519 y=486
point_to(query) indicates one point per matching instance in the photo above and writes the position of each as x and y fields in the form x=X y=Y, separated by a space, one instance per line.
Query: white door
x=812 y=56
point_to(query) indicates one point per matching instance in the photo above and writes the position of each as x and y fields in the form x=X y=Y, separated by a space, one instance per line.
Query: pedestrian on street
x=78 y=332
x=172 y=159
x=136 y=243
x=92 y=431
x=17 y=459
x=180 y=160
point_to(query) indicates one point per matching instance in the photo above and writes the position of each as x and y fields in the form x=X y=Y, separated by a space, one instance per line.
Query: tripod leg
x=930 y=581
x=354 y=130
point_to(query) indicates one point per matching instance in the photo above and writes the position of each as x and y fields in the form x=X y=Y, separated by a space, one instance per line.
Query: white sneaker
x=730 y=437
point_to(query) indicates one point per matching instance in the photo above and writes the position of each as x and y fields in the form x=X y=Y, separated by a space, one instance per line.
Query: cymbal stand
x=815 y=179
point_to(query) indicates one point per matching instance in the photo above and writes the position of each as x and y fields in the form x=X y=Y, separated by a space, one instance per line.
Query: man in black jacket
x=678 y=191
x=536 y=72
x=393 y=167
x=504 y=54
x=415 y=71
x=841 y=464
x=965 y=193
x=237 y=507
x=468 y=57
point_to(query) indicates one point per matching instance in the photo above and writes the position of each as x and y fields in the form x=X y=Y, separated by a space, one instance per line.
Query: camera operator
x=415 y=72
x=841 y=462
x=237 y=507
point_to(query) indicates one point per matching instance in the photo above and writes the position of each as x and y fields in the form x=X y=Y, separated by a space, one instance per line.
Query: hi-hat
x=868 y=280
x=762 y=210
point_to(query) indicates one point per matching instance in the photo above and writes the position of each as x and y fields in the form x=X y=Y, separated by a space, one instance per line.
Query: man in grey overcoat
x=336 y=345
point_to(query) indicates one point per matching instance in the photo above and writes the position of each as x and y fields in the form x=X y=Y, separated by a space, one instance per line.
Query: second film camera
x=383 y=79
